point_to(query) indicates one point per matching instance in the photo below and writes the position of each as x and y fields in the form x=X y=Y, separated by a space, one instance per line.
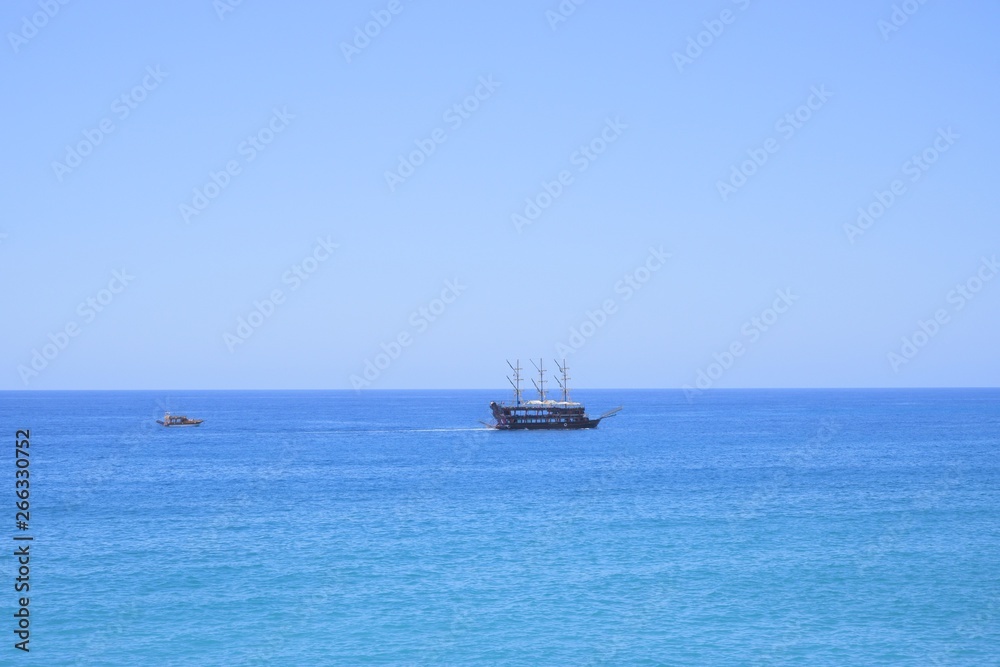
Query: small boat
x=178 y=420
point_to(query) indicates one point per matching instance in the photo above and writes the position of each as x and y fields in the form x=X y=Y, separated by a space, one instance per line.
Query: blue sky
x=607 y=189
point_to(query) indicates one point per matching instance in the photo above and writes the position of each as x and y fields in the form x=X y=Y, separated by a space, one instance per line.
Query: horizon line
x=386 y=389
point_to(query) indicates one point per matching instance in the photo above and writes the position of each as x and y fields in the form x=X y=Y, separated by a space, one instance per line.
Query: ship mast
x=540 y=385
x=516 y=382
x=564 y=383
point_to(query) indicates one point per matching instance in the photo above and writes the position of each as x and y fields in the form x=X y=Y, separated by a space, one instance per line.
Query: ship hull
x=563 y=426
x=541 y=418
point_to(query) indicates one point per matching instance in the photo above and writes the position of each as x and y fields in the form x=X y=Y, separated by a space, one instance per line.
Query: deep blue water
x=298 y=528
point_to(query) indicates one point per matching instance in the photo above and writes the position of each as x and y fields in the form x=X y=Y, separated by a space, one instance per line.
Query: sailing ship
x=543 y=413
x=178 y=420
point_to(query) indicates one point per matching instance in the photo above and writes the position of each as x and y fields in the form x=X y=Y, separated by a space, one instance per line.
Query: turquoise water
x=299 y=528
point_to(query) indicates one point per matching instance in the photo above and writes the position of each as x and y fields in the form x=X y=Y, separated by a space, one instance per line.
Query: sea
x=730 y=527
